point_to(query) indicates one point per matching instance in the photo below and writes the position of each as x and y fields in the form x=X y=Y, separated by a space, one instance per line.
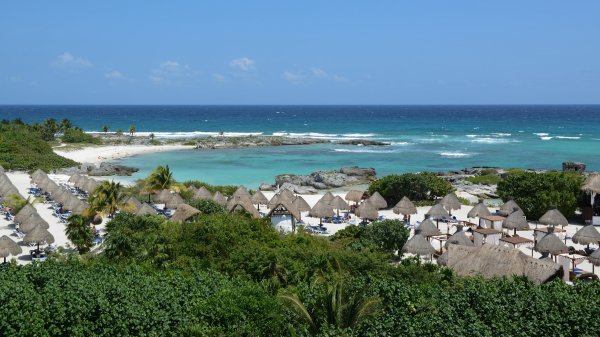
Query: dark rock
x=363 y=142
x=266 y=187
x=329 y=179
x=104 y=169
x=571 y=166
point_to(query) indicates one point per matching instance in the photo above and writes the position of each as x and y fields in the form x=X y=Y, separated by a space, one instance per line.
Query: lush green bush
x=224 y=189
x=23 y=148
x=77 y=135
x=535 y=193
x=206 y=206
x=487 y=179
x=415 y=186
x=386 y=236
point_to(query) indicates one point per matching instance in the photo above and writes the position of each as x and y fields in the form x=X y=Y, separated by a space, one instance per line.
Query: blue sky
x=299 y=52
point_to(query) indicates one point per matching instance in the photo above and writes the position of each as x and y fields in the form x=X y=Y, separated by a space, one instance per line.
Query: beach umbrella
x=203 y=194
x=8 y=247
x=551 y=244
x=592 y=186
x=51 y=187
x=243 y=202
x=274 y=201
x=163 y=196
x=39 y=235
x=184 y=212
x=220 y=199
x=594 y=259
x=175 y=201
x=327 y=197
x=355 y=195
x=145 y=209
x=74 y=178
x=283 y=194
x=287 y=194
x=418 y=245
x=339 y=204
x=479 y=210
x=378 y=201
x=60 y=195
x=367 y=211
x=90 y=185
x=300 y=204
x=241 y=191
x=405 y=207
x=553 y=217
x=442 y=260
x=258 y=199
x=31 y=222
x=71 y=202
x=458 y=238
x=587 y=235
x=133 y=204
x=81 y=208
x=79 y=183
x=437 y=212
x=508 y=207
x=450 y=202
x=516 y=221
x=427 y=228
x=321 y=210
x=24 y=213
x=38 y=175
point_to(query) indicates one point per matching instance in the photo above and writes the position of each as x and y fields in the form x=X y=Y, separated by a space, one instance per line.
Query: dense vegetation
x=424 y=186
x=77 y=135
x=25 y=147
x=535 y=193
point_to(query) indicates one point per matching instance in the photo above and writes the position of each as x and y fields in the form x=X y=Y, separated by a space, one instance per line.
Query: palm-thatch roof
x=243 y=202
x=418 y=245
x=442 y=260
x=587 y=235
x=145 y=209
x=327 y=197
x=32 y=221
x=553 y=217
x=491 y=261
x=355 y=195
x=9 y=247
x=74 y=178
x=241 y=191
x=50 y=186
x=38 y=235
x=378 y=201
x=405 y=207
x=428 y=228
x=38 y=175
x=133 y=203
x=80 y=208
x=321 y=210
x=551 y=244
x=220 y=199
x=437 y=211
x=287 y=193
x=479 y=210
x=594 y=258
x=175 y=201
x=60 y=195
x=259 y=198
x=508 y=207
x=458 y=238
x=203 y=194
x=184 y=212
x=301 y=204
x=516 y=220
x=366 y=210
x=80 y=181
x=592 y=184
x=286 y=204
x=24 y=213
x=163 y=196
x=339 y=203
x=450 y=202
x=71 y=202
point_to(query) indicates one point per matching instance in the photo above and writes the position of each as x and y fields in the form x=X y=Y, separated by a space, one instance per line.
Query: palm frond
x=291 y=300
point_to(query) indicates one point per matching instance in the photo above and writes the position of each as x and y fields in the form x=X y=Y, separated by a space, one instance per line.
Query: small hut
x=321 y=210
x=418 y=245
x=283 y=210
x=481 y=236
x=378 y=201
x=163 y=196
x=174 y=202
x=367 y=211
x=491 y=221
x=258 y=198
x=203 y=194
x=241 y=192
x=184 y=212
x=220 y=199
x=145 y=209
x=450 y=202
x=242 y=202
x=8 y=247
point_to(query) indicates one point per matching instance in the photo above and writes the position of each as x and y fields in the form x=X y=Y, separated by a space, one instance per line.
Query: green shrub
x=415 y=186
x=488 y=179
x=77 y=135
x=224 y=189
x=206 y=206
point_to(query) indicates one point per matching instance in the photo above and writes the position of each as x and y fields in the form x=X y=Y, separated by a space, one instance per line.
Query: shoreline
x=100 y=153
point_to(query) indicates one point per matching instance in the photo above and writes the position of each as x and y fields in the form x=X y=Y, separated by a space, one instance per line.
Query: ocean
x=432 y=138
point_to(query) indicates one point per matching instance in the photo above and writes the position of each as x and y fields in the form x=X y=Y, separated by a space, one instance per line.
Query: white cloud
x=67 y=60
x=243 y=64
x=167 y=71
x=311 y=74
x=114 y=75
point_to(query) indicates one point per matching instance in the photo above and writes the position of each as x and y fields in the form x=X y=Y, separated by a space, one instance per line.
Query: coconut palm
x=80 y=233
x=131 y=130
x=107 y=198
x=65 y=124
x=152 y=136
x=161 y=178
x=105 y=128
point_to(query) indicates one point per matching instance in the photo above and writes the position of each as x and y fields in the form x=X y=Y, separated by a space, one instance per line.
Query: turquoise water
x=435 y=138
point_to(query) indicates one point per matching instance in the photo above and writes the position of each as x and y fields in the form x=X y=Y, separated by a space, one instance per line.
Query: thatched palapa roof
x=163 y=196
x=327 y=197
x=38 y=235
x=492 y=261
x=301 y=204
x=418 y=245
x=378 y=201
x=508 y=207
x=220 y=199
x=285 y=204
x=9 y=247
x=241 y=191
x=31 y=222
x=516 y=220
x=243 y=202
x=145 y=209
x=184 y=212
x=339 y=203
x=592 y=184
x=428 y=228
x=553 y=217
x=437 y=211
x=355 y=195
x=74 y=178
x=405 y=207
x=321 y=210
x=175 y=201
x=458 y=238
x=203 y=194
x=587 y=235
x=366 y=210
x=551 y=244
x=479 y=210
x=24 y=213
x=595 y=258
x=259 y=198
x=450 y=202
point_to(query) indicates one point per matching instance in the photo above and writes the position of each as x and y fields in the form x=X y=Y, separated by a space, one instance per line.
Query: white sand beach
x=97 y=154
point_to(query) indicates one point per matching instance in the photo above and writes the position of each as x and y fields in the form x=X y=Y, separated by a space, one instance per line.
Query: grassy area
x=488 y=179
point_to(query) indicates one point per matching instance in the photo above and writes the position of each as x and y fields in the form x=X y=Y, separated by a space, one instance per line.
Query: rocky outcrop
x=103 y=169
x=251 y=141
x=362 y=142
x=571 y=166
x=321 y=180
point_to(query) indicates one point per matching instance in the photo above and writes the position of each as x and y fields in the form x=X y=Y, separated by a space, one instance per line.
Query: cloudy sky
x=299 y=52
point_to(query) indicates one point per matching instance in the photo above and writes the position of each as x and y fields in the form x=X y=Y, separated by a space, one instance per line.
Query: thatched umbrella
x=242 y=202
x=516 y=221
x=427 y=228
x=32 y=221
x=220 y=199
x=508 y=207
x=8 y=247
x=355 y=196
x=175 y=201
x=241 y=191
x=203 y=194
x=339 y=204
x=61 y=195
x=553 y=217
x=37 y=175
x=145 y=209
x=450 y=202
x=321 y=210
x=74 y=178
x=551 y=244
x=24 y=213
x=163 y=196
x=38 y=235
x=437 y=212
x=587 y=235
x=258 y=199
x=442 y=260
x=592 y=186
x=51 y=186
x=458 y=238
x=378 y=201
x=418 y=245
x=367 y=211
x=80 y=208
x=301 y=204
x=594 y=259
x=184 y=212
x=133 y=204
x=478 y=210
x=71 y=202
x=405 y=207
x=327 y=197
x=287 y=194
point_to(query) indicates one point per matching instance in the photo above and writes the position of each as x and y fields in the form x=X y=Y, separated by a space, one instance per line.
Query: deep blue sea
x=436 y=138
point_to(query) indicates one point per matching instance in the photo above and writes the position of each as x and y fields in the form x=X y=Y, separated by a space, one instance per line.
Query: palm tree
x=65 y=124
x=106 y=198
x=17 y=202
x=161 y=178
x=80 y=233
x=152 y=136
x=131 y=130
x=105 y=128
